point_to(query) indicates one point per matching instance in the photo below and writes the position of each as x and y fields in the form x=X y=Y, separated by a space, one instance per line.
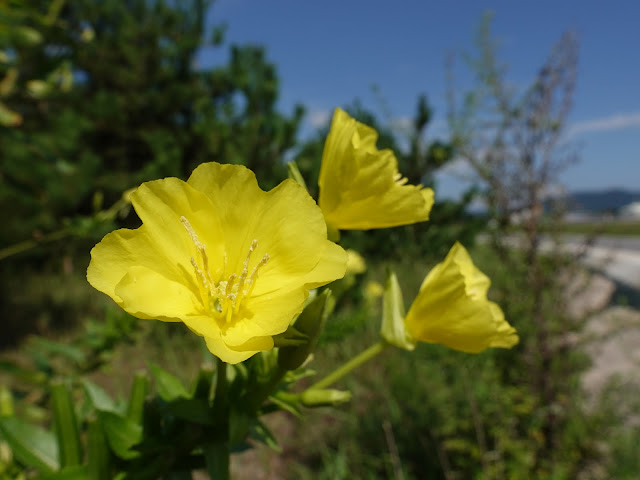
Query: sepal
x=393 y=330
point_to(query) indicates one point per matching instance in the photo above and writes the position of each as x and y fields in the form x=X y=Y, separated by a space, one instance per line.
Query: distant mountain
x=601 y=201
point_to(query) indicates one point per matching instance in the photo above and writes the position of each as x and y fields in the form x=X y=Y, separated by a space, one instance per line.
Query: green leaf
x=287 y=402
x=100 y=399
x=122 y=434
x=9 y=118
x=70 y=352
x=196 y=410
x=261 y=433
x=6 y=402
x=31 y=445
x=310 y=323
x=27 y=375
x=169 y=387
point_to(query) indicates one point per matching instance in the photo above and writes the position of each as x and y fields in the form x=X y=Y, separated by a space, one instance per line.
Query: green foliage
x=98 y=96
x=134 y=114
x=122 y=101
x=177 y=429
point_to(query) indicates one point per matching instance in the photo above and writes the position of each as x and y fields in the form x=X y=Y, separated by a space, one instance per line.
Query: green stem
x=261 y=394
x=217 y=453
x=352 y=364
x=220 y=399
x=32 y=243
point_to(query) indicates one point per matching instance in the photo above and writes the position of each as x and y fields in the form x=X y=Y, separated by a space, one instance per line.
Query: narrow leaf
x=98 y=397
x=97 y=451
x=65 y=425
x=122 y=434
x=31 y=445
x=169 y=387
x=135 y=410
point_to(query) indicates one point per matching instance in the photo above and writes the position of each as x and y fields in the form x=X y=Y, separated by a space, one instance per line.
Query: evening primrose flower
x=451 y=309
x=231 y=261
x=360 y=187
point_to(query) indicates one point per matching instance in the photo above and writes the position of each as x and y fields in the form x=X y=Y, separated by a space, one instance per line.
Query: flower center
x=223 y=297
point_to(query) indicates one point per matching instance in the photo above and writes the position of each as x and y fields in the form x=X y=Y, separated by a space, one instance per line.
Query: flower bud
x=324 y=398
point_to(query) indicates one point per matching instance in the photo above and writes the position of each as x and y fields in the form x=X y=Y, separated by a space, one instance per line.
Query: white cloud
x=402 y=123
x=457 y=167
x=612 y=122
x=319 y=118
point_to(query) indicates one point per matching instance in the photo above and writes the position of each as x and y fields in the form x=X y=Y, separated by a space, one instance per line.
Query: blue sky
x=330 y=52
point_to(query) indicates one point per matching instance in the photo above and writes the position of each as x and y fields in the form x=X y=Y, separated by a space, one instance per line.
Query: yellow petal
x=270 y=314
x=331 y=265
x=161 y=244
x=162 y=204
x=119 y=251
x=230 y=355
x=296 y=242
x=360 y=187
x=452 y=308
x=147 y=294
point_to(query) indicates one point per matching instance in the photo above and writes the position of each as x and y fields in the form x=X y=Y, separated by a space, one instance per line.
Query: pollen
x=223 y=295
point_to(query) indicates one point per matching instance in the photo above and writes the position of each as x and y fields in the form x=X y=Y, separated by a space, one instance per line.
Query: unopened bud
x=324 y=398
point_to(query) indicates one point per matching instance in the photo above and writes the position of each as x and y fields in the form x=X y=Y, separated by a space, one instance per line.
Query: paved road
x=616 y=257
x=608 y=241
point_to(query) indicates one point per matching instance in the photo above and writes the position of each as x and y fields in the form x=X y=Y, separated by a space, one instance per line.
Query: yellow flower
x=373 y=290
x=451 y=309
x=355 y=263
x=360 y=187
x=234 y=263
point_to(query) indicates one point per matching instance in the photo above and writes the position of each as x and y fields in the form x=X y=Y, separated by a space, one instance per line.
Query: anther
x=229 y=285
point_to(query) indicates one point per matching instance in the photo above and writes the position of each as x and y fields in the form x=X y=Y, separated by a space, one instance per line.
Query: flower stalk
x=351 y=365
x=217 y=453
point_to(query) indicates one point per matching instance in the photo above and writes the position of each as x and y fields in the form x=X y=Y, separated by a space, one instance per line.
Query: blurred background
x=524 y=118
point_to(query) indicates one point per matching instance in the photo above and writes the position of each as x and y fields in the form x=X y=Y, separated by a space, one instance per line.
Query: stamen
x=229 y=285
x=254 y=274
x=402 y=181
x=245 y=267
x=192 y=233
x=223 y=298
x=201 y=276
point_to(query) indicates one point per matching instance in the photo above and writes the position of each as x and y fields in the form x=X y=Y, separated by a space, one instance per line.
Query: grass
x=431 y=413
x=616 y=228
